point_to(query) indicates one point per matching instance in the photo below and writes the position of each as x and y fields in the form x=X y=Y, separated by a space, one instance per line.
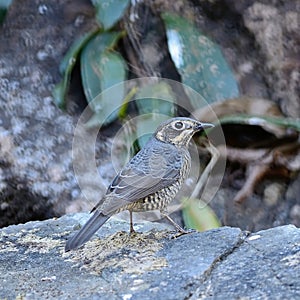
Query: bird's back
x=155 y=168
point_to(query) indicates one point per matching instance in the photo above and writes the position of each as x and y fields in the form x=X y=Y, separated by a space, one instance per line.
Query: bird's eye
x=178 y=125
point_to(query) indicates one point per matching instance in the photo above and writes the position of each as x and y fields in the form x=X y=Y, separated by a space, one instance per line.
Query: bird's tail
x=86 y=232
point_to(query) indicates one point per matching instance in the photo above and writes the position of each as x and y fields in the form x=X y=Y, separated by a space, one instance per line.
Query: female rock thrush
x=150 y=180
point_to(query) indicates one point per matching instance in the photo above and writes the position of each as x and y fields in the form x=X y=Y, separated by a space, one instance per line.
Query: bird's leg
x=180 y=230
x=131 y=223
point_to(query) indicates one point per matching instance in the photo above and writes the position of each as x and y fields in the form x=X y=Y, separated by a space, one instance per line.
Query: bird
x=150 y=180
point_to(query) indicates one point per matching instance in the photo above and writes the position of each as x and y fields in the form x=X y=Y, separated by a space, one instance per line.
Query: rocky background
x=258 y=38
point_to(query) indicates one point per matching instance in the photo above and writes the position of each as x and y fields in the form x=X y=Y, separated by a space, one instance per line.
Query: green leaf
x=198 y=215
x=112 y=70
x=199 y=61
x=155 y=103
x=91 y=63
x=156 y=97
x=71 y=56
x=59 y=93
x=126 y=100
x=100 y=70
x=109 y=12
x=66 y=67
x=4 y=4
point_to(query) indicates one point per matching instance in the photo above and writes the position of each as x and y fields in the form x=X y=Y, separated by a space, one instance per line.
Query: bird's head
x=179 y=131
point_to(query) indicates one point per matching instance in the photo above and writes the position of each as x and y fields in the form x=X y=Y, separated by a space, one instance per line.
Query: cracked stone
x=224 y=263
x=265 y=266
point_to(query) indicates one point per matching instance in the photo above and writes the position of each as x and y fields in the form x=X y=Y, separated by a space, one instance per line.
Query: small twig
x=204 y=177
x=259 y=162
x=254 y=174
x=277 y=156
x=243 y=156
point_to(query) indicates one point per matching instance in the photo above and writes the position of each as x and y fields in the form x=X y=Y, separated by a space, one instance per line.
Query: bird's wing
x=151 y=170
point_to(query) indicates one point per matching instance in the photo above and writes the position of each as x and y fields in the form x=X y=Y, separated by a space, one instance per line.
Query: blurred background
x=233 y=63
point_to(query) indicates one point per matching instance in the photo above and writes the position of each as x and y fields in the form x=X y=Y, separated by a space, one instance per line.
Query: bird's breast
x=161 y=199
x=186 y=165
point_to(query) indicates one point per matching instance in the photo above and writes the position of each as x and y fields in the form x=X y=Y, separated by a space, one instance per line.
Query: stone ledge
x=224 y=263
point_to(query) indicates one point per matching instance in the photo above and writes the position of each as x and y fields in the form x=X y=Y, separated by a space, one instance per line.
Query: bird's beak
x=201 y=126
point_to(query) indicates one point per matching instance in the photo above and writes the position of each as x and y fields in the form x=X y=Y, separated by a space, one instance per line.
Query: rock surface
x=36 y=175
x=224 y=263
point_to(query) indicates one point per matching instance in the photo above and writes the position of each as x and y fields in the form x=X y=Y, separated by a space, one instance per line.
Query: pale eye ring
x=178 y=125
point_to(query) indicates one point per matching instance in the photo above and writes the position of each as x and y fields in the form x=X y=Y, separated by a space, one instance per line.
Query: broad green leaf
x=199 y=61
x=4 y=4
x=109 y=12
x=198 y=215
x=92 y=62
x=110 y=69
x=71 y=56
x=157 y=98
x=155 y=103
x=66 y=67
x=59 y=93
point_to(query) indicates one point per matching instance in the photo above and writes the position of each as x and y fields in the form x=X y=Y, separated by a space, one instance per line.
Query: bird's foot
x=181 y=232
x=132 y=231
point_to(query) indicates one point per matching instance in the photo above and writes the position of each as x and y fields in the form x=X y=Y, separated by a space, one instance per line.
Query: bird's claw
x=182 y=232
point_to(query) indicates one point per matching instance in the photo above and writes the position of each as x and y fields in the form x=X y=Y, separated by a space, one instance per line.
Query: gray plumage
x=150 y=180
